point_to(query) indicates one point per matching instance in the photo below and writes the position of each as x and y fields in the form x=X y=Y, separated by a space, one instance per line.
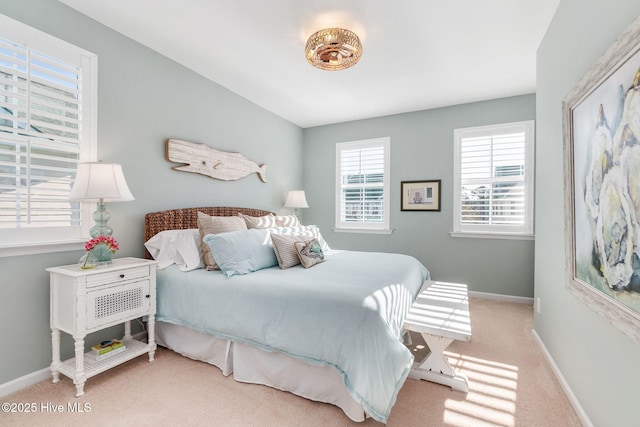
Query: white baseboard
x=500 y=297
x=41 y=375
x=573 y=400
x=24 y=381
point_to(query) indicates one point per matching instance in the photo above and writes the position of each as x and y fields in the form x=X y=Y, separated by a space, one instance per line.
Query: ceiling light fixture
x=333 y=49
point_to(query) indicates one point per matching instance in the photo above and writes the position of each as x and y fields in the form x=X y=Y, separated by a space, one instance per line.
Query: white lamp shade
x=100 y=181
x=296 y=199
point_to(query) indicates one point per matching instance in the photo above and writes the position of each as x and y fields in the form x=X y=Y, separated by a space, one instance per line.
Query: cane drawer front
x=113 y=304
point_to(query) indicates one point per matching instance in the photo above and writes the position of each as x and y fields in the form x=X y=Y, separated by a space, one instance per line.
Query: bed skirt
x=252 y=365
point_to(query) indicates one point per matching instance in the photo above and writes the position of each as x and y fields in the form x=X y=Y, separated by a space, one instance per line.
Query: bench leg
x=435 y=366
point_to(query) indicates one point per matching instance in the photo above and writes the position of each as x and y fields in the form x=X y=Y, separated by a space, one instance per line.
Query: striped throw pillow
x=283 y=245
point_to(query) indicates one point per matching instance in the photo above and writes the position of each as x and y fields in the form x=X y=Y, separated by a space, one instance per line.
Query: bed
x=330 y=333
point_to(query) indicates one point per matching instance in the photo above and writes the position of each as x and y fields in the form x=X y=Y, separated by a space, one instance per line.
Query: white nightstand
x=84 y=301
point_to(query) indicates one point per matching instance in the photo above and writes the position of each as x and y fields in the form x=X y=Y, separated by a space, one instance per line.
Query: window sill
x=480 y=235
x=40 y=248
x=363 y=230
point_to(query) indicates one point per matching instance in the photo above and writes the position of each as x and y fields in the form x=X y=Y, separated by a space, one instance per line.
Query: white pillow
x=180 y=247
x=189 y=255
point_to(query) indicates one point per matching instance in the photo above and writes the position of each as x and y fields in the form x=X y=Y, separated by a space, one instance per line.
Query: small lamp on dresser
x=296 y=199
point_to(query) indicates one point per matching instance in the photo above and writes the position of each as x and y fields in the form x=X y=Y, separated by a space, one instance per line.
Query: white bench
x=440 y=314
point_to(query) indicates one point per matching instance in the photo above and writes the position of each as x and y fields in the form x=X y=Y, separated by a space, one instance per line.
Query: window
x=362 y=185
x=47 y=126
x=493 y=180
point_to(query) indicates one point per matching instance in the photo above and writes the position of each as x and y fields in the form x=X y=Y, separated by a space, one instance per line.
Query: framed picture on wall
x=420 y=195
x=601 y=130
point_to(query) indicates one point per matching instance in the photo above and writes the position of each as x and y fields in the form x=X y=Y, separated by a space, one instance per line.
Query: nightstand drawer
x=112 y=277
x=117 y=303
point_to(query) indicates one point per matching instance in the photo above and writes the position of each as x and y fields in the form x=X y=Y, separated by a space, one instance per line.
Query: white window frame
x=364 y=227
x=25 y=241
x=524 y=231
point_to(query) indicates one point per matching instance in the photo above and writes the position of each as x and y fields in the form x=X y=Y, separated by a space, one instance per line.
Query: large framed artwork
x=420 y=195
x=601 y=126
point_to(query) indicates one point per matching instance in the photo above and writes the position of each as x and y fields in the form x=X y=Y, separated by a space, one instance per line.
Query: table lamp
x=296 y=199
x=102 y=182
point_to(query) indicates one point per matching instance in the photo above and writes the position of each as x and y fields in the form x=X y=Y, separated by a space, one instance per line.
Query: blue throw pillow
x=242 y=252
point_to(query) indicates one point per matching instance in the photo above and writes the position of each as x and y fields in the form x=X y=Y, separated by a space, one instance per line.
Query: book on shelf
x=106 y=347
x=99 y=357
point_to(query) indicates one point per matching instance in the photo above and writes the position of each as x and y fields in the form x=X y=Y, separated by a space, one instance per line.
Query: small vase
x=102 y=253
x=88 y=261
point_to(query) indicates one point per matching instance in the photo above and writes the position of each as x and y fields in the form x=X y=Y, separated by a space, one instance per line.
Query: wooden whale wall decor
x=202 y=159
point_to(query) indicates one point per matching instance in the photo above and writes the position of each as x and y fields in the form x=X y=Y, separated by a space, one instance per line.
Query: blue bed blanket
x=346 y=312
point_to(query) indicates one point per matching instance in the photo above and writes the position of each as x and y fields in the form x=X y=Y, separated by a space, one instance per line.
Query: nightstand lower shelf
x=93 y=367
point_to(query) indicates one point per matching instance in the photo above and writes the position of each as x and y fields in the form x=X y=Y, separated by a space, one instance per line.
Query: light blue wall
x=156 y=98
x=422 y=149
x=143 y=99
x=601 y=365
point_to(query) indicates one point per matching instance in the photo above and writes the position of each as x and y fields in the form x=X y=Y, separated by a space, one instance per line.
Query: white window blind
x=493 y=174
x=47 y=118
x=362 y=184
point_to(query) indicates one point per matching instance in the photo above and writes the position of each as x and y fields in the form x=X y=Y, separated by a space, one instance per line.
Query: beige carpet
x=510 y=384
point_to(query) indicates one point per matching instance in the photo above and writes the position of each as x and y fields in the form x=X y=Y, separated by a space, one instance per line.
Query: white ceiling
x=417 y=54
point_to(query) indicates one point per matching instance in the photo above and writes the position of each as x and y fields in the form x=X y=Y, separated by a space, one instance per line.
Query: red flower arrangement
x=108 y=241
